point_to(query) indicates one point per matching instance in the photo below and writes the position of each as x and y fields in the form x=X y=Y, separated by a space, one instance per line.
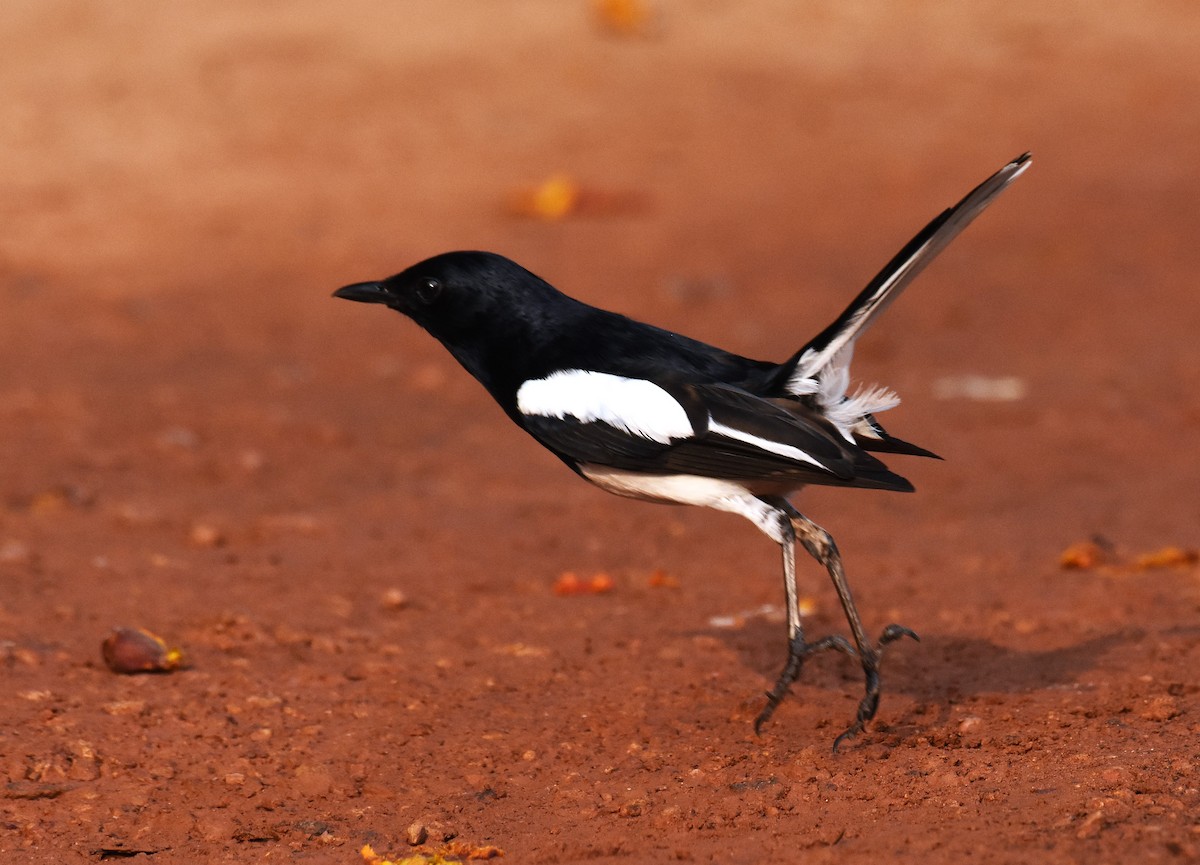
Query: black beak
x=364 y=292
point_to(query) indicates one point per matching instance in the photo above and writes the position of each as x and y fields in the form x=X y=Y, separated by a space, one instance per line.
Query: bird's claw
x=869 y=704
x=798 y=651
x=894 y=632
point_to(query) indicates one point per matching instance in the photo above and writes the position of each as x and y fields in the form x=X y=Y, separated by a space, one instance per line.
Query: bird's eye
x=428 y=290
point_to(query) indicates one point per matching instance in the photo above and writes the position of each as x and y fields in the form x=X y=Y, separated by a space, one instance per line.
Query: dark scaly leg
x=821 y=547
x=798 y=650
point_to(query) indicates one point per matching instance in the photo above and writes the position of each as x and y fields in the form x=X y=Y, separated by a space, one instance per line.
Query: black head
x=456 y=292
x=478 y=304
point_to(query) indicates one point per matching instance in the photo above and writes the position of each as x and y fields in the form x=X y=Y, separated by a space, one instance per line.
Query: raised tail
x=822 y=366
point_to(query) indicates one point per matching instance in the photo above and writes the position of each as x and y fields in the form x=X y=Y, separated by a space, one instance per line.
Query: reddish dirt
x=357 y=553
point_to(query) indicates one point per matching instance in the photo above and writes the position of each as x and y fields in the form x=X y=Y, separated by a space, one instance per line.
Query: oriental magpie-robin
x=650 y=414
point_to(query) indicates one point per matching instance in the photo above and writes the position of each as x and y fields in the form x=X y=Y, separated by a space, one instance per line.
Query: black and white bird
x=649 y=414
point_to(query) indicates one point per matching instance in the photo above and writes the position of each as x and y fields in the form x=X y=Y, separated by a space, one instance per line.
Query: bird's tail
x=822 y=367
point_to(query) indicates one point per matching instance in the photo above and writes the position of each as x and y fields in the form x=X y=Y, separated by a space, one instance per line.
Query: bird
x=647 y=413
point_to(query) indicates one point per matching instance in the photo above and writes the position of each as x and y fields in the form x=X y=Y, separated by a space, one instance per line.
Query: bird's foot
x=870 y=701
x=798 y=650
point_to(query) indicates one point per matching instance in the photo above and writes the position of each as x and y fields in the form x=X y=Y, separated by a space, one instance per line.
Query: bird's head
x=452 y=289
x=477 y=304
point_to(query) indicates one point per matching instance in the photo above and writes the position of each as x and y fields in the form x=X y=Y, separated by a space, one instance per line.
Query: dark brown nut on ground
x=136 y=650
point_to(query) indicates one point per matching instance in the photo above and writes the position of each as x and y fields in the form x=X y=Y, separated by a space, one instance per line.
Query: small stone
x=416 y=833
x=970 y=724
x=1114 y=775
x=214 y=826
x=394 y=599
x=631 y=809
x=263 y=701
x=21 y=655
x=14 y=553
x=313 y=781
x=1160 y=709
x=124 y=707
x=206 y=536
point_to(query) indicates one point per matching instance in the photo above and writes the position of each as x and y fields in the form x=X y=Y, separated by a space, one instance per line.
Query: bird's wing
x=711 y=430
x=828 y=354
x=749 y=438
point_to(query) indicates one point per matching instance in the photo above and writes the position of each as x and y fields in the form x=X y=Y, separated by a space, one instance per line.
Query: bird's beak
x=364 y=292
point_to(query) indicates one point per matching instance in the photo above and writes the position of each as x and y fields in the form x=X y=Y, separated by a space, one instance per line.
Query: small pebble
x=394 y=599
x=206 y=536
x=14 y=553
x=970 y=724
x=1160 y=709
x=416 y=833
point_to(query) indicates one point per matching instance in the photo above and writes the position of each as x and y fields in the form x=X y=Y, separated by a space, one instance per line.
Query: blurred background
x=193 y=182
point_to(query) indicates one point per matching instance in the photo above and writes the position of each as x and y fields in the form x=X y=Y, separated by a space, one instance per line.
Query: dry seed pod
x=136 y=650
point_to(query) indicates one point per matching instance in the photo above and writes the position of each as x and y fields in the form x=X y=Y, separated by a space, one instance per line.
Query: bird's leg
x=821 y=547
x=798 y=650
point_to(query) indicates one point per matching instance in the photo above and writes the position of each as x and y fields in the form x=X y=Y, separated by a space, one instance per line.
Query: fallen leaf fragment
x=370 y=857
x=660 y=579
x=560 y=196
x=522 y=650
x=1093 y=554
x=572 y=584
x=136 y=650
x=59 y=499
x=625 y=17
x=1167 y=557
x=552 y=199
x=463 y=850
x=1083 y=556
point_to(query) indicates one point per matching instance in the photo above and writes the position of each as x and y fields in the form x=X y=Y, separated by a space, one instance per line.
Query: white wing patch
x=783 y=450
x=632 y=405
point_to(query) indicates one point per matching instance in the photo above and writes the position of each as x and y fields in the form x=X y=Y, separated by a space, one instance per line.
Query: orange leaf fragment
x=600 y=584
x=624 y=17
x=463 y=850
x=1167 y=557
x=572 y=584
x=560 y=196
x=660 y=579
x=1082 y=556
x=554 y=198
